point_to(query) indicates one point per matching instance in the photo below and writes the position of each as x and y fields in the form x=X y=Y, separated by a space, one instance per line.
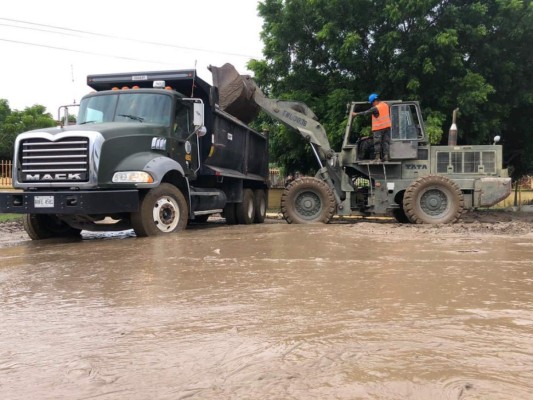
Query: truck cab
x=143 y=112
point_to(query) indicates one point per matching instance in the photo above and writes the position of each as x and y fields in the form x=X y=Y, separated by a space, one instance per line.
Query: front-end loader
x=421 y=183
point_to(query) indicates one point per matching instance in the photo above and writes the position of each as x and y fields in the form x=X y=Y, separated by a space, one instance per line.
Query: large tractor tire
x=245 y=211
x=433 y=199
x=308 y=200
x=162 y=210
x=46 y=226
x=260 y=205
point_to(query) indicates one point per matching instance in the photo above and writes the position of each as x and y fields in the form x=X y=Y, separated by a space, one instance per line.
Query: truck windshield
x=126 y=107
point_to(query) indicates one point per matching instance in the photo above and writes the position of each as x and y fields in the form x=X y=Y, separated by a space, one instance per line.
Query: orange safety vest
x=383 y=121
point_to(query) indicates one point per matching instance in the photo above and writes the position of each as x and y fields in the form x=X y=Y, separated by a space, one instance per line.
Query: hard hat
x=372 y=97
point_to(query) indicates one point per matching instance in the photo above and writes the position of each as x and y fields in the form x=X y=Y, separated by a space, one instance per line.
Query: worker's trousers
x=381 y=143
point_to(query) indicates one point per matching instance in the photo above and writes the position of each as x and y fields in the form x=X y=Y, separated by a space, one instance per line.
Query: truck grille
x=64 y=160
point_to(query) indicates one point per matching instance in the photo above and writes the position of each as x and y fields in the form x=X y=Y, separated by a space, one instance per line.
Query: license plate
x=44 y=201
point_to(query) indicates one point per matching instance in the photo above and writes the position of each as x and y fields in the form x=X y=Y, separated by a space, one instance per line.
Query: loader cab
x=407 y=132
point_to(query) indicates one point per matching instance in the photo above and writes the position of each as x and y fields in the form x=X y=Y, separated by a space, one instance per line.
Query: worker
x=381 y=126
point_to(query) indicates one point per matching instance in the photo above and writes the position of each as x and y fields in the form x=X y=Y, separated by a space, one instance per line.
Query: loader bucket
x=235 y=92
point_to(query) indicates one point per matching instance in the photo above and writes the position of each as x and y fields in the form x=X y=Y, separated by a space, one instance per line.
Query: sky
x=49 y=47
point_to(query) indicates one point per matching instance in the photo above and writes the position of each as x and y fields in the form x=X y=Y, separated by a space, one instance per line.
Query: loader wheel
x=162 y=210
x=307 y=200
x=45 y=226
x=260 y=205
x=245 y=211
x=433 y=200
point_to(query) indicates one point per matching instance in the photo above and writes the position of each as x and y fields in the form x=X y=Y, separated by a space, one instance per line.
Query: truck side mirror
x=198 y=118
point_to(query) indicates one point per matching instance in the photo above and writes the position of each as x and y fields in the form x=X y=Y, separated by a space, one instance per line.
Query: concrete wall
x=523 y=197
x=274 y=199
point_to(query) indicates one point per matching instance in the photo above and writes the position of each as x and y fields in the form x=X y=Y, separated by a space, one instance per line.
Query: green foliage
x=475 y=55
x=13 y=122
x=10 y=217
x=433 y=125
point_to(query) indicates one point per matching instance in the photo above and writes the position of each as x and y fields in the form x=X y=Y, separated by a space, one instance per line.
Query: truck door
x=406 y=131
x=185 y=140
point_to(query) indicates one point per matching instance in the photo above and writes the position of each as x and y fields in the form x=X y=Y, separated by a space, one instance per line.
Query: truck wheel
x=308 y=200
x=229 y=214
x=246 y=211
x=45 y=226
x=162 y=210
x=260 y=206
x=433 y=199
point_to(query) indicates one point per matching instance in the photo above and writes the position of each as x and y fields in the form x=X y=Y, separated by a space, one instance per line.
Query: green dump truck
x=150 y=151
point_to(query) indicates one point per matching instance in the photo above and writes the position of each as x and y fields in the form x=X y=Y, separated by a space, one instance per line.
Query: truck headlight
x=132 y=177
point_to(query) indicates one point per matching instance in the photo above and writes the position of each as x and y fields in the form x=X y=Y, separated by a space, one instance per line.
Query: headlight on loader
x=132 y=177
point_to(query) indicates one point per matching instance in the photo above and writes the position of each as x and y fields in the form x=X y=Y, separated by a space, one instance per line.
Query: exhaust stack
x=452 y=134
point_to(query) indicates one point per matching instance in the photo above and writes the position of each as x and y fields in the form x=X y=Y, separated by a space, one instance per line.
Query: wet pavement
x=272 y=311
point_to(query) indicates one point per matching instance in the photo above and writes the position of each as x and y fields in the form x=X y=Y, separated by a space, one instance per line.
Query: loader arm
x=240 y=96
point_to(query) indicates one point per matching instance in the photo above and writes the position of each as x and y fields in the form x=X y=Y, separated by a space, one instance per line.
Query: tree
x=474 y=55
x=14 y=122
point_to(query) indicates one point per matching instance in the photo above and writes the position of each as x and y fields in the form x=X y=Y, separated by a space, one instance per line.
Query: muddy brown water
x=272 y=311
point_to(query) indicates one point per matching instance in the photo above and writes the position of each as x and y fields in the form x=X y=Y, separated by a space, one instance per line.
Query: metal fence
x=6 y=168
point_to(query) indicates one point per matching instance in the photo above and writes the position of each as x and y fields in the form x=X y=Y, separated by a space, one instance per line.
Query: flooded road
x=272 y=311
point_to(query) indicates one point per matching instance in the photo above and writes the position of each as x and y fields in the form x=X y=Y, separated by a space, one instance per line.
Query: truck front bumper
x=70 y=202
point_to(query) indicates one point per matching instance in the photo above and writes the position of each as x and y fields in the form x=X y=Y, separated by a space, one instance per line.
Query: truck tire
x=230 y=214
x=433 y=199
x=308 y=200
x=245 y=211
x=46 y=226
x=260 y=206
x=162 y=210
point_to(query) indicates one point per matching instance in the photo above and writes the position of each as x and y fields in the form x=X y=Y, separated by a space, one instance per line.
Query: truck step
x=207 y=212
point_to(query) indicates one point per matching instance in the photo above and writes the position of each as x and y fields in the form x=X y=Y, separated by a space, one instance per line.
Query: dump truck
x=150 y=151
x=421 y=183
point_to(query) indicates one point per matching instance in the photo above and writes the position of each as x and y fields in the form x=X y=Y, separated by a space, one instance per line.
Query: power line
x=119 y=38
x=84 y=52
x=39 y=30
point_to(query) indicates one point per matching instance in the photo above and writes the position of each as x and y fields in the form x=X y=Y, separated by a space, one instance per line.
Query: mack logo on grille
x=55 y=177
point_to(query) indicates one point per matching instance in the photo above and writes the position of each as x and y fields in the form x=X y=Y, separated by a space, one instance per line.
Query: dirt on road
x=472 y=223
